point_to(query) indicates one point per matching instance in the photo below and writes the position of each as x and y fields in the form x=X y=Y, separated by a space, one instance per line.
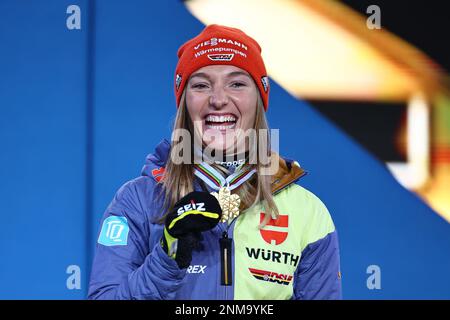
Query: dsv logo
x=270 y=276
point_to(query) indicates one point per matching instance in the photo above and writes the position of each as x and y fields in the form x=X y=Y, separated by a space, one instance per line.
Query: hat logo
x=178 y=81
x=265 y=83
x=221 y=57
x=216 y=41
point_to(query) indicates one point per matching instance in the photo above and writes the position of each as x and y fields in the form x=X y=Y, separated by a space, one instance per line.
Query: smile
x=220 y=122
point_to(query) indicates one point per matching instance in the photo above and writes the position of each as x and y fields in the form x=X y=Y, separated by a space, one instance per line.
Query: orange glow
x=310 y=55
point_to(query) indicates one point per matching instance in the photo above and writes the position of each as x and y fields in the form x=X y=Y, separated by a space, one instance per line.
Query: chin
x=223 y=141
x=217 y=144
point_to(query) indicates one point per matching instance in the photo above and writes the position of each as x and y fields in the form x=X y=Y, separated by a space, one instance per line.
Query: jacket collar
x=289 y=171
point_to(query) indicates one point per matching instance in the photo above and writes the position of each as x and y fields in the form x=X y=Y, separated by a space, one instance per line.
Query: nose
x=218 y=98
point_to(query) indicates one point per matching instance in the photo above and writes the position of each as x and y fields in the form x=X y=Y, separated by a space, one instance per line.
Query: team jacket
x=293 y=257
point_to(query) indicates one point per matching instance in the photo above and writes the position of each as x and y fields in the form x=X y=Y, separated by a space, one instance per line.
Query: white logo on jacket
x=196 y=269
x=114 y=231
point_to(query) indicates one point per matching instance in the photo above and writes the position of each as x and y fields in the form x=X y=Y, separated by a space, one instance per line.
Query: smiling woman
x=221 y=107
x=227 y=226
x=221 y=98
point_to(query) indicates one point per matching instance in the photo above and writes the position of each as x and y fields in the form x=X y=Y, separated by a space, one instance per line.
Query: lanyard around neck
x=215 y=180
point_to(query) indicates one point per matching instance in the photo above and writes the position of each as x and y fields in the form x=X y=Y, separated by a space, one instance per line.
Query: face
x=221 y=101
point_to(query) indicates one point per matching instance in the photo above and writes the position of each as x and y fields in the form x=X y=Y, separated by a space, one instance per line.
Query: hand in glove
x=191 y=215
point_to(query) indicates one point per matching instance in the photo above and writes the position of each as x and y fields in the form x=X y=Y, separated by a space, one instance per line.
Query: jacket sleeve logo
x=276 y=231
x=158 y=174
x=114 y=232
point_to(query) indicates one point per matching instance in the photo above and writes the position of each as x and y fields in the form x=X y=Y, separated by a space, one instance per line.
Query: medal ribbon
x=216 y=181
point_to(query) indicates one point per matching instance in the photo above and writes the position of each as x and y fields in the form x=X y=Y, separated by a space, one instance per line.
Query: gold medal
x=228 y=202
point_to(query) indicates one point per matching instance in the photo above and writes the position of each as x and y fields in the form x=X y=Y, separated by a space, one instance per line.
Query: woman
x=259 y=235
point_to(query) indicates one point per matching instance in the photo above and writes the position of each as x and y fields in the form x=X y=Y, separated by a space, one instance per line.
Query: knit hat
x=221 y=45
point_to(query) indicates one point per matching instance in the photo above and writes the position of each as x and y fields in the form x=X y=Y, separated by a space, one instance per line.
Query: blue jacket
x=293 y=257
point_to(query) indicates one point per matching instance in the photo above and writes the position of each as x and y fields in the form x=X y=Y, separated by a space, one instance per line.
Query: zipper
x=226 y=256
x=225 y=259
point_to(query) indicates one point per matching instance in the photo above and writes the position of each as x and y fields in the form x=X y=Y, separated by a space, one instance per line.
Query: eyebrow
x=231 y=74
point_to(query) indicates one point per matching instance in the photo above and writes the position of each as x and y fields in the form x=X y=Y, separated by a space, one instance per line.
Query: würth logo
x=221 y=57
x=275 y=231
x=272 y=255
x=270 y=276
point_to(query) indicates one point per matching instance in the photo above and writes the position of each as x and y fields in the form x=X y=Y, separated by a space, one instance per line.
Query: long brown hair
x=179 y=178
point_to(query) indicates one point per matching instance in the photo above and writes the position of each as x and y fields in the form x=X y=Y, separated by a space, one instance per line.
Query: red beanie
x=221 y=45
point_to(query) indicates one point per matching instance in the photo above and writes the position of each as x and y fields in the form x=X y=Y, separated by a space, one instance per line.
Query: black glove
x=191 y=215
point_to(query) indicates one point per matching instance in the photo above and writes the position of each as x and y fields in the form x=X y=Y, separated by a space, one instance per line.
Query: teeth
x=214 y=118
x=215 y=127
